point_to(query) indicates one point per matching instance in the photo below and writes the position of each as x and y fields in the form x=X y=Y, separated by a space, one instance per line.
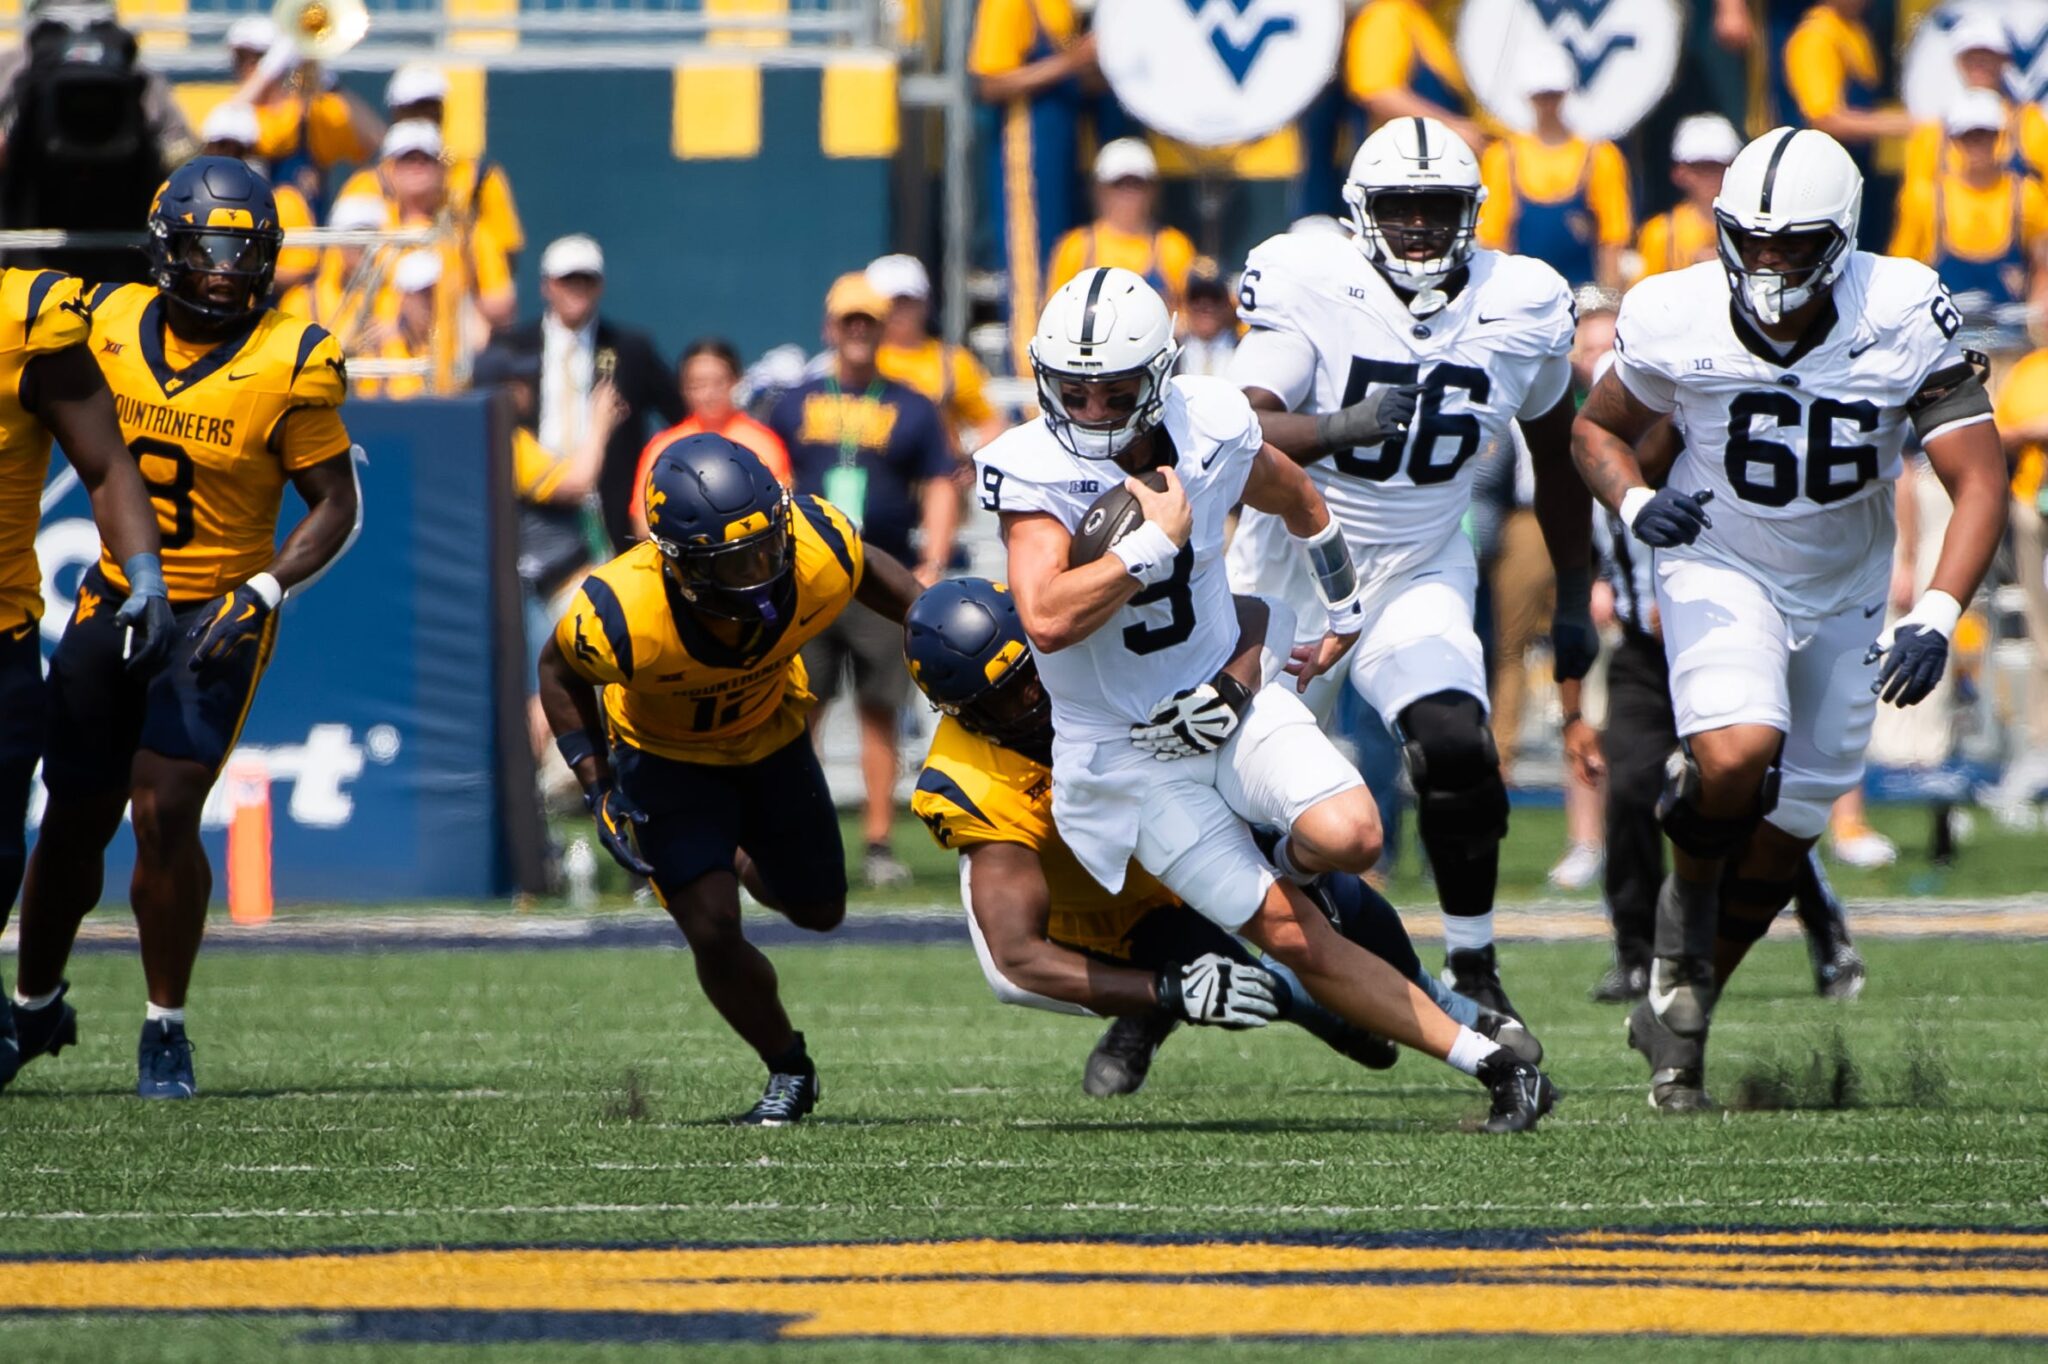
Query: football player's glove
x=1381 y=415
x=1666 y=517
x=1215 y=991
x=1915 y=650
x=146 y=614
x=228 y=624
x=1195 y=721
x=616 y=817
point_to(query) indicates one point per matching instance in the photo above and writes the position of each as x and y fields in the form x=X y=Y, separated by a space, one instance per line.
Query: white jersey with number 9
x=1799 y=446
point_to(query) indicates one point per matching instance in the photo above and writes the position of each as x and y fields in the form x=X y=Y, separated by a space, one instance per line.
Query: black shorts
x=778 y=809
x=100 y=714
x=21 y=732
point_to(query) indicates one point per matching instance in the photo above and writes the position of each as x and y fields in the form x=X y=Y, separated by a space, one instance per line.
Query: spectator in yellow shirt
x=1398 y=63
x=306 y=129
x=1550 y=193
x=412 y=165
x=1701 y=149
x=947 y=374
x=1031 y=61
x=1124 y=233
x=230 y=130
x=1984 y=226
x=358 y=309
x=1832 y=80
x=1983 y=55
x=414 y=280
x=479 y=193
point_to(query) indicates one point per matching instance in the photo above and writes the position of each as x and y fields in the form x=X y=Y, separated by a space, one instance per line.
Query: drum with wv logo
x=1218 y=72
x=1625 y=53
x=1930 y=79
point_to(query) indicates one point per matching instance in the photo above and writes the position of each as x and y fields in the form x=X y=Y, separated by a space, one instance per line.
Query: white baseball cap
x=358 y=213
x=252 y=33
x=899 y=277
x=1978 y=32
x=414 y=83
x=411 y=135
x=233 y=121
x=1705 y=137
x=1549 y=70
x=575 y=254
x=1974 y=111
x=416 y=272
x=1127 y=158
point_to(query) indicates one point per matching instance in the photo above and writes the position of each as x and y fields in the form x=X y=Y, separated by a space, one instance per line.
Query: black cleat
x=39 y=1032
x=1511 y=1033
x=1677 y=1064
x=785 y=1102
x=163 y=1063
x=1522 y=1094
x=1123 y=1055
x=1623 y=984
x=1474 y=973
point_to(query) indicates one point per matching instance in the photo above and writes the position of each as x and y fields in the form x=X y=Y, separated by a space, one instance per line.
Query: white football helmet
x=1788 y=181
x=1414 y=156
x=1102 y=326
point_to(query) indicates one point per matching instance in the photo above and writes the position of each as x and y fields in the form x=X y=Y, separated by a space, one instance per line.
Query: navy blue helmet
x=968 y=654
x=724 y=525
x=213 y=244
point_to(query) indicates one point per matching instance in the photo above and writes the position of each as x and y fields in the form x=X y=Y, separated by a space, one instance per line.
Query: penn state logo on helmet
x=2015 y=31
x=213 y=244
x=1624 y=54
x=1218 y=72
x=967 y=652
x=724 y=527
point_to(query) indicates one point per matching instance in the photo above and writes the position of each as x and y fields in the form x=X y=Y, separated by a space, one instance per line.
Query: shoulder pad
x=1281 y=274
x=319 y=373
x=1217 y=409
x=1538 y=296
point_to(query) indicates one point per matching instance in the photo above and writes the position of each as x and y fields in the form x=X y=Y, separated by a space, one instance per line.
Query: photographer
x=85 y=136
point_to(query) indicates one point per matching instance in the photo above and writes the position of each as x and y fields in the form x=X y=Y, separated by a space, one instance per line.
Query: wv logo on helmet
x=1238 y=34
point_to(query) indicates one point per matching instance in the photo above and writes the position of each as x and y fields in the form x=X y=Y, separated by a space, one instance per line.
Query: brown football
x=1110 y=518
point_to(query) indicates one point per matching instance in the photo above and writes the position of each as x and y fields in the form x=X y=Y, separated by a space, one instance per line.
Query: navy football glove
x=1670 y=517
x=146 y=614
x=1913 y=665
x=1574 y=643
x=227 y=625
x=616 y=817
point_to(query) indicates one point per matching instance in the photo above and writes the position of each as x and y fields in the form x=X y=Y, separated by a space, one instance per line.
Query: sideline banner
x=379 y=719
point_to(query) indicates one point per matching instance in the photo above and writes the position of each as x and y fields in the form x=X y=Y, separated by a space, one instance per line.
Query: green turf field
x=548 y=1098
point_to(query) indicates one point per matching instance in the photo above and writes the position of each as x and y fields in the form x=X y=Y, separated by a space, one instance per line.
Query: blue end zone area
x=381 y=715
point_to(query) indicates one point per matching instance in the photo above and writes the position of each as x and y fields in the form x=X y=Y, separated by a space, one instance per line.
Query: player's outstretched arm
x=886 y=587
x=1305 y=437
x=1061 y=606
x=1011 y=907
x=66 y=391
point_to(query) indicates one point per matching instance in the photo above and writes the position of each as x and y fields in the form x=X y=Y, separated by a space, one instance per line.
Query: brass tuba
x=320 y=30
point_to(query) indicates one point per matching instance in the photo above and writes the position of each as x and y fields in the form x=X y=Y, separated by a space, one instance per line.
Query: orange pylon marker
x=248 y=782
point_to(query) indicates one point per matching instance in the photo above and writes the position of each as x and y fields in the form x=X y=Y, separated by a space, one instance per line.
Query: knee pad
x=1678 y=809
x=1454 y=766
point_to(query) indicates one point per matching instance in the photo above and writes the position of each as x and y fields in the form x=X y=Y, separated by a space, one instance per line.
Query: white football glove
x=1195 y=721
x=1215 y=991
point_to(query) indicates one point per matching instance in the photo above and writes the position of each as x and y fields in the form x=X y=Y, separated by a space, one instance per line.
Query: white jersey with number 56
x=1799 y=446
x=1174 y=634
x=1326 y=327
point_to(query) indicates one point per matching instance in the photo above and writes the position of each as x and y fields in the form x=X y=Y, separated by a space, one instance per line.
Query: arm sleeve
x=311 y=429
x=1281 y=362
x=1608 y=191
x=1378 y=53
x=1002 y=35
x=580 y=635
x=1497 y=214
x=1814 y=73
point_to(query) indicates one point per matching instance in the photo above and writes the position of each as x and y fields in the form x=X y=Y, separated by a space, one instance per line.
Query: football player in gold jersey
x=223 y=402
x=1050 y=937
x=50 y=386
x=696 y=763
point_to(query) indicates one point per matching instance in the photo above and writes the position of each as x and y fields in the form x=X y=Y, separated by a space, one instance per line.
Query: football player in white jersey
x=1351 y=329
x=1158 y=754
x=1794 y=367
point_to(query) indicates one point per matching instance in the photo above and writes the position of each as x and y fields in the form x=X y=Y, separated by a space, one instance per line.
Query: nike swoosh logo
x=1855 y=351
x=1870 y=611
x=1660 y=1000
x=233 y=377
x=806 y=620
x=1213 y=455
x=1486 y=321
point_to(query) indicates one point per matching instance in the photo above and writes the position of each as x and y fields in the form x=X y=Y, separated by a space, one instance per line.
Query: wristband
x=575 y=746
x=1632 y=503
x=267 y=588
x=1147 y=553
x=1166 y=985
x=145 y=575
x=1936 y=611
